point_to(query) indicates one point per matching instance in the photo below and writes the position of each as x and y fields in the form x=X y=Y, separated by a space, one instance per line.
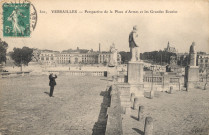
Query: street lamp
x=206 y=78
x=152 y=68
x=21 y=63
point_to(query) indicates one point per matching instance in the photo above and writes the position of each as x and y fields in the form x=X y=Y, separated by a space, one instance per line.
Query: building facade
x=202 y=62
x=36 y=55
x=170 y=49
x=49 y=57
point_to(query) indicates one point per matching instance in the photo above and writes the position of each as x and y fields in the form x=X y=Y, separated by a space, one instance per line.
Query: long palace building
x=49 y=57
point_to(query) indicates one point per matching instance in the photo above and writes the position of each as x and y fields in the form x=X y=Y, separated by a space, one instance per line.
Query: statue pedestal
x=191 y=76
x=135 y=77
x=137 y=89
x=135 y=72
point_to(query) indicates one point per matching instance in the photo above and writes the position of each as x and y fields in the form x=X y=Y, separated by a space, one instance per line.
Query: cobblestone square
x=27 y=109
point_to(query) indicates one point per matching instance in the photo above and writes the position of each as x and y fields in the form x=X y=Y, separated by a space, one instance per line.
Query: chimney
x=99 y=47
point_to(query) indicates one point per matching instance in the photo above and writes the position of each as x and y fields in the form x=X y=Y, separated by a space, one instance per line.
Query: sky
x=61 y=31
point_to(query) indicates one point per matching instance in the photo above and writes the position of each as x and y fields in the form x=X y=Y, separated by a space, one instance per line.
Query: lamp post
x=152 y=68
x=206 y=83
x=21 y=63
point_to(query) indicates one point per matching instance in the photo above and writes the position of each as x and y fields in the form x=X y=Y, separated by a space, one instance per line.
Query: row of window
x=68 y=55
x=46 y=54
x=82 y=55
x=73 y=55
x=47 y=58
x=206 y=61
x=202 y=57
x=202 y=65
x=51 y=58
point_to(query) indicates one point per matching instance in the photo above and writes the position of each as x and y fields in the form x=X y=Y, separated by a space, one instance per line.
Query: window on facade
x=47 y=58
x=206 y=60
x=42 y=58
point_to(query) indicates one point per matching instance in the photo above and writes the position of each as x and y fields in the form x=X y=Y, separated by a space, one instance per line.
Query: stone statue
x=134 y=45
x=192 y=50
x=192 y=55
x=113 y=55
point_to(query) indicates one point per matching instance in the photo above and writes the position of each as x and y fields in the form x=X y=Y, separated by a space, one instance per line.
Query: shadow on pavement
x=100 y=126
x=138 y=131
x=133 y=117
x=46 y=93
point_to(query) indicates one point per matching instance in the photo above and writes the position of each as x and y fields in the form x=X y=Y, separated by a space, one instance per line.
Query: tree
x=22 y=56
x=3 y=51
x=158 y=56
x=125 y=56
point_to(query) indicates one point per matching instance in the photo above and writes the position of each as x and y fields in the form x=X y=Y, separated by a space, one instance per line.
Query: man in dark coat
x=52 y=83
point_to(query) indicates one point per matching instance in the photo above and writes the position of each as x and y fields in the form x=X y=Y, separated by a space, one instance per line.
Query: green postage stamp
x=16 y=20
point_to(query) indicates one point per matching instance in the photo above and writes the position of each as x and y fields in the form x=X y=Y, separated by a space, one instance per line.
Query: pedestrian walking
x=52 y=83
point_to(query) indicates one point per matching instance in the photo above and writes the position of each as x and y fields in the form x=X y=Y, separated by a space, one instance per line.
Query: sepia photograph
x=87 y=67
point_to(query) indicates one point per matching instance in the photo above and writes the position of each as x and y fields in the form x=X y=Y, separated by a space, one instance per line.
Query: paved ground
x=181 y=113
x=77 y=108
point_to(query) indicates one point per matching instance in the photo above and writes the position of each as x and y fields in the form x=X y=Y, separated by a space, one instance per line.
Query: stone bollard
x=136 y=103
x=123 y=109
x=148 y=127
x=187 y=87
x=171 y=90
x=127 y=110
x=132 y=97
x=140 y=113
x=205 y=87
x=151 y=94
x=114 y=78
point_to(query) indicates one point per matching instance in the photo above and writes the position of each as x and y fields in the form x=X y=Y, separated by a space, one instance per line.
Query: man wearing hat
x=52 y=83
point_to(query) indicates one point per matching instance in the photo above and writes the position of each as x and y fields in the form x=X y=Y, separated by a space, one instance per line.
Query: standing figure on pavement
x=52 y=83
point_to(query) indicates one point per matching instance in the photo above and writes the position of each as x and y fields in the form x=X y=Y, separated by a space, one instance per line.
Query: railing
x=203 y=79
x=174 y=80
x=154 y=79
x=122 y=72
x=86 y=73
x=160 y=79
x=162 y=82
x=8 y=74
